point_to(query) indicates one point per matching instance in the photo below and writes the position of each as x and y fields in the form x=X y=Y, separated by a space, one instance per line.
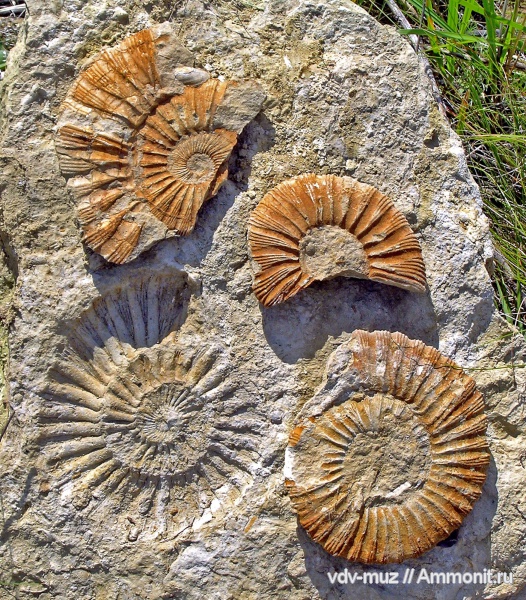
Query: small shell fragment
x=191 y=75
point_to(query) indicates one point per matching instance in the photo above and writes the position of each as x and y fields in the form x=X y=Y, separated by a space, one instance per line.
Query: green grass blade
x=491 y=33
x=3 y=57
x=448 y=35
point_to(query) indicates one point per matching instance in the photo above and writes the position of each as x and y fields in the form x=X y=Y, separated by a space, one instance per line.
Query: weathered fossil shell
x=316 y=227
x=390 y=456
x=183 y=159
x=138 y=313
x=142 y=134
x=144 y=422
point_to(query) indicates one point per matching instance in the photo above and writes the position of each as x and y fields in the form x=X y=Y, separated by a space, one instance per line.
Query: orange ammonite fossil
x=316 y=227
x=390 y=456
x=144 y=141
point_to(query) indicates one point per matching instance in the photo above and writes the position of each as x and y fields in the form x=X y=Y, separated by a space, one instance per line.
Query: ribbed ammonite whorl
x=147 y=422
x=142 y=134
x=390 y=456
x=316 y=227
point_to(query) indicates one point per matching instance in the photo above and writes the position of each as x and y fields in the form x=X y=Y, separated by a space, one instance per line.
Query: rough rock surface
x=344 y=96
x=327 y=252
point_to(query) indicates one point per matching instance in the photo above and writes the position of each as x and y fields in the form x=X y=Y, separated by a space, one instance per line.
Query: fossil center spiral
x=196 y=159
x=159 y=421
x=390 y=457
x=200 y=166
x=376 y=448
x=164 y=435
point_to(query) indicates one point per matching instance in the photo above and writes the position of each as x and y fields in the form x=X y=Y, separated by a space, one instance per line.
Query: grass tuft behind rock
x=477 y=52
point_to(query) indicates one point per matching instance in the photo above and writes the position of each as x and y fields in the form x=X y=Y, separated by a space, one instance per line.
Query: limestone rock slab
x=345 y=96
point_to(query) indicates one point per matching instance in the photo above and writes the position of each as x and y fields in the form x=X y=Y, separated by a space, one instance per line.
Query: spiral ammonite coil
x=142 y=133
x=390 y=456
x=144 y=420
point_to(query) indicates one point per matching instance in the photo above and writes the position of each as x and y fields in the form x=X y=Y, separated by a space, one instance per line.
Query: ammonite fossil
x=316 y=227
x=390 y=456
x=160 y=433
x=137 y=313
x=142 y=134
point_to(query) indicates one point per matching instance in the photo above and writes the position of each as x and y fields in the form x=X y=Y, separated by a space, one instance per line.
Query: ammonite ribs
x=145 y=423
x=395 y=467
x=139 y=133
x=315 y=227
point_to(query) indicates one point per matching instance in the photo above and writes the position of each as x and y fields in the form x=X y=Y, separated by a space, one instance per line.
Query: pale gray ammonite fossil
x=144 y=140
x=390 y=455
x=316 y=227
x=161 y=434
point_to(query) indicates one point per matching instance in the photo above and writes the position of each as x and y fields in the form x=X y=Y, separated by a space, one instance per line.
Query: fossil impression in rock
x=159 y=434
x=390 y=455
x=316 y=227
x=143 y=134
x=136 y=313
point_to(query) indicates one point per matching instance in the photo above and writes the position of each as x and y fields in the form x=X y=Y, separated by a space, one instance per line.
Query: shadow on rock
x=301 y=326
